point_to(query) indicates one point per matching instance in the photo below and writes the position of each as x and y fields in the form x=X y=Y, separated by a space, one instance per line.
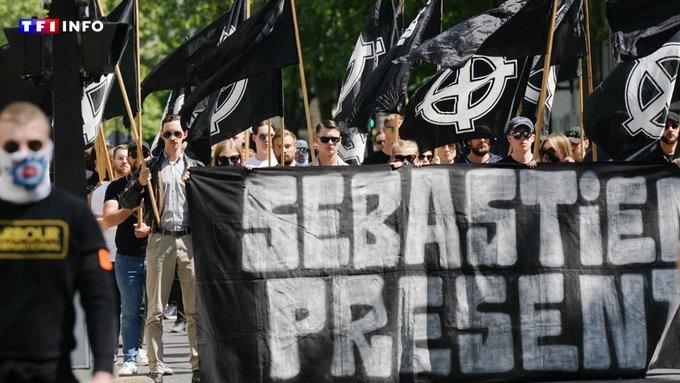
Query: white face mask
x=25 y=175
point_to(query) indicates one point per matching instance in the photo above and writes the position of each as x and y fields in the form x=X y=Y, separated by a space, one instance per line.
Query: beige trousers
x=163 y=253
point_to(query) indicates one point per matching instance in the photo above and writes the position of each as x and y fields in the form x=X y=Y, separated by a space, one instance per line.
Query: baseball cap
x=573 y=134
x=517 y=122
x=673 y=116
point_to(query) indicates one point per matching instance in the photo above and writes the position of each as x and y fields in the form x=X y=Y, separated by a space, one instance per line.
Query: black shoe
x=156 y=377
x=195 y=377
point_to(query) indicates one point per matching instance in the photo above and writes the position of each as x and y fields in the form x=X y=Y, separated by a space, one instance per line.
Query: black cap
x=518 y=122
x=481 y=131
x=673 y=116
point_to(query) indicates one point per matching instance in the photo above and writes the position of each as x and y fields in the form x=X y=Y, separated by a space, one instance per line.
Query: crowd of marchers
x=151 y=252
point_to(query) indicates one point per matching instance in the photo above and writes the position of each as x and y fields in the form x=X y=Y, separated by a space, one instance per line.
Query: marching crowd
x=149 y=254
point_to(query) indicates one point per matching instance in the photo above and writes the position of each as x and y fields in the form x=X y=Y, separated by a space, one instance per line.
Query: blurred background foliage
x=328 y=32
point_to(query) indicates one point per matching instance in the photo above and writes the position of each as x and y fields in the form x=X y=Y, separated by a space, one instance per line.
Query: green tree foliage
x=328 y=32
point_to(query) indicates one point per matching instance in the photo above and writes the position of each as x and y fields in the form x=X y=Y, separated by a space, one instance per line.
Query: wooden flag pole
x=303 y=82
x=138 y=140
x=283 y=129
x=544 y=83
x=589 y=63
x=133 y=126
x=140 y=158
x=246 y=145
x=580 y=115
x=101 y=140
x=271 y=144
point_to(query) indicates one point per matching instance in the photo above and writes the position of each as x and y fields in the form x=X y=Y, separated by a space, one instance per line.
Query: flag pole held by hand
x=544 y=83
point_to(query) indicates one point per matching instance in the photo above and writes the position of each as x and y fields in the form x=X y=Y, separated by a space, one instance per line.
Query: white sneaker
x=128 y=368
x=142 y=357
x=167 y=370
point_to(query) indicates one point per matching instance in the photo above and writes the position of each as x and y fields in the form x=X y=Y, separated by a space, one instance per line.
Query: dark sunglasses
x=301 y=150
x=428 y=157
x=224 y=160
x=13 y=146
x=549 y=153
x=672 y=126
x=380 y=142
x=518 y=135
x=133 y=153
x=176 y=133
x=410 y=158
x=326 y=140
x=263 y=137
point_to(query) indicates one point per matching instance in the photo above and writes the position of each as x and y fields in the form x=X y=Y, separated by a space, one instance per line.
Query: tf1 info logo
x=55 y=26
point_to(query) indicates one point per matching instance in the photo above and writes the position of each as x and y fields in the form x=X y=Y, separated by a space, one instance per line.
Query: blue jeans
x=131 y=278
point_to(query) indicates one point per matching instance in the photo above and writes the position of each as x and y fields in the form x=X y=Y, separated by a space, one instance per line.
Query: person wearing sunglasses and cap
x=328 y=140
x=262 y=136
x=169 y=244
x=520 y=135
x=50 y=248
x=667 y=148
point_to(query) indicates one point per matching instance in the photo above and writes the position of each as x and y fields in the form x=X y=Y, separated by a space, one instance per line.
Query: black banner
x=443 y=273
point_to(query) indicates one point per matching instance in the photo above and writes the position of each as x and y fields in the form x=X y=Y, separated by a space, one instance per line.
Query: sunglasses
x=428 y=157
x=13 y=146
x=549 y=153
x=263 y=137
x=672 y=126
x=301 y=150
x=518 y=135
x=326 y=140
x=380 y=142
x=176 y=133
x=225 y=160
x=409 y=158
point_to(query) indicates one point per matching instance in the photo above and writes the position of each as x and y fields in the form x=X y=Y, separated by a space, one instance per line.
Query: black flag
x=377 y=37
x=569 y=46
x=115 y=106
x=95 y=93
x=263 y=43
x=385 y=88
x=171 y=72
x=448 y=106
x=627 y=111
x=640 y=27
x=239 y=105
x=516 y=28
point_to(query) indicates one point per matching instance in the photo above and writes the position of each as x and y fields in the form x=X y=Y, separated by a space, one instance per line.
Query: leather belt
x=173 y=233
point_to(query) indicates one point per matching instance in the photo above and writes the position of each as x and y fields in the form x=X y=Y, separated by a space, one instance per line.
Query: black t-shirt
x=48 y=250
x=126 y=242
x=508 y=160
x=377 y=158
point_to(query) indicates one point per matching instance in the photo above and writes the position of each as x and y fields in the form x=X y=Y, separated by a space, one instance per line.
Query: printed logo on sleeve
x=34 y=239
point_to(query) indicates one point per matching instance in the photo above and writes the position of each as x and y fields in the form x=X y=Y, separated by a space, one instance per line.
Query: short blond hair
x=394 y=118
x=21 y=113
x=286 y=133
x=403 y=144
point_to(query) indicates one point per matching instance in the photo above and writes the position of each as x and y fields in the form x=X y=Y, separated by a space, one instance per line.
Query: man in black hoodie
x=49 y=248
